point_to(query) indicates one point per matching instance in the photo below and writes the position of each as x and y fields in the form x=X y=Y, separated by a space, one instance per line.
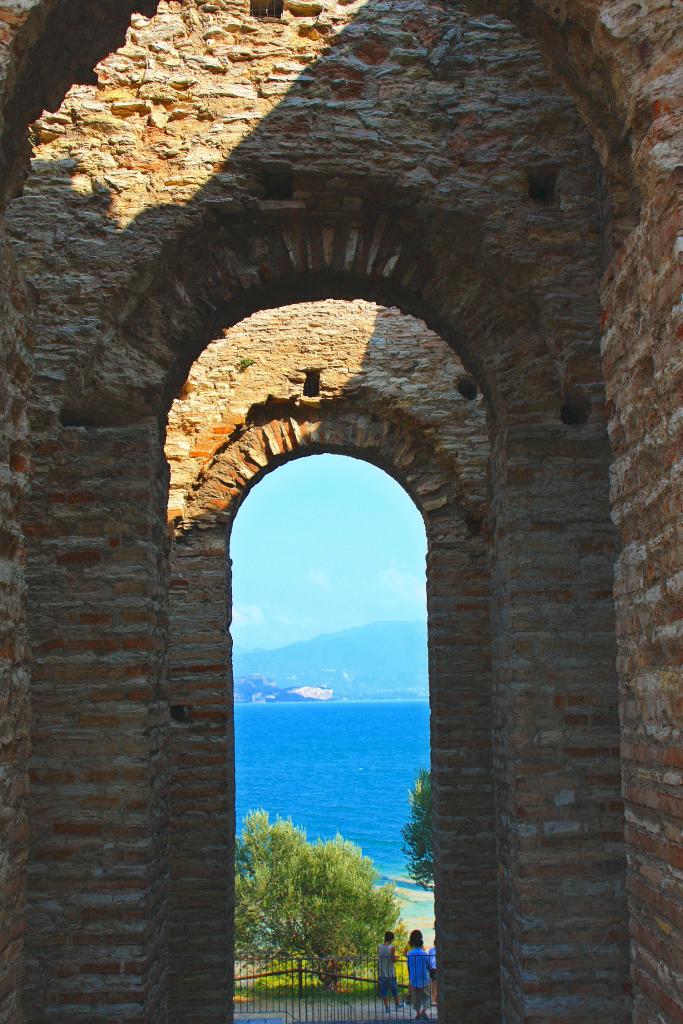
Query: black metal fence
x=326 y=990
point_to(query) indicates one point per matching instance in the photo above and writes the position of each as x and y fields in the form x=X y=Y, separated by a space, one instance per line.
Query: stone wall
x=37 y=68
x=213 y=172
x=97 y=885
x=113 y=345
x=359 y=349
x=560 y=814
x=202 y=179
x=644 y=371
x=14 y=680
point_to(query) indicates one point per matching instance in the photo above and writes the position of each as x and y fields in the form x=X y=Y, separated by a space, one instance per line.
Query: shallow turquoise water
x=344 y=768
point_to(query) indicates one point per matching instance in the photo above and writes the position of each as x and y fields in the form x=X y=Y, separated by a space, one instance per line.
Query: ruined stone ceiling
x=603 y=54
x=405 y=152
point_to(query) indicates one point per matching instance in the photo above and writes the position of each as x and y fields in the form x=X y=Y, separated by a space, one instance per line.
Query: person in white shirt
x=386 y=970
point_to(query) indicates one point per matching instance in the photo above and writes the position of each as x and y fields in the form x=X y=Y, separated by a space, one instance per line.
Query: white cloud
x=404 y=585
x=247 y=615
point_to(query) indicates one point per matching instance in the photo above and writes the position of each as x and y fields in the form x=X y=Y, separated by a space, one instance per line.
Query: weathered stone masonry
x=14 y=680
x=228 y=247
x=510 y=285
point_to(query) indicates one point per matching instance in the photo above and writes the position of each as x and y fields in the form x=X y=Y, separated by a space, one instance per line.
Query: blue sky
x=321 y=544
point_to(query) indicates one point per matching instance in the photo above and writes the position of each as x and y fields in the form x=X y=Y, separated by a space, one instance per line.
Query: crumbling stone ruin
x=443 y=238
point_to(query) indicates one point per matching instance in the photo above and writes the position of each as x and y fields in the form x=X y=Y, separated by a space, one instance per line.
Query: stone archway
x=241 y=414
x=460 y=689
x=547 y=519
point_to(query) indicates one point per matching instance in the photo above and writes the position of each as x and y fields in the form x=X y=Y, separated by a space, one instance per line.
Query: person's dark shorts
x=388 y=987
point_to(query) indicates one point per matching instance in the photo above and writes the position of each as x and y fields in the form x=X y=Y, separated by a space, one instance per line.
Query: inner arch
x=390 y=393
x=331 y=545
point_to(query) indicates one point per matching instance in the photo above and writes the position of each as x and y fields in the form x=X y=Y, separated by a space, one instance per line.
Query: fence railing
x=324 y=989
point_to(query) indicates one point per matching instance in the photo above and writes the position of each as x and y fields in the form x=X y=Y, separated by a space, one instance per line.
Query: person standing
x=432 y=970
x=386 y=970
x=418 y=974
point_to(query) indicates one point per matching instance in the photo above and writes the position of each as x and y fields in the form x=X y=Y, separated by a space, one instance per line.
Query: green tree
x=417 y=831
x=306 y=899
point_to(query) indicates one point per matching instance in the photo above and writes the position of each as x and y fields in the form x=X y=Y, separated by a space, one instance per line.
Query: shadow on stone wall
x=395 y=167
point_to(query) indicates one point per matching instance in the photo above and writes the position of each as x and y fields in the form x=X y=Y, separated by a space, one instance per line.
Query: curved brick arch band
x=202 y=796
x=392 y=446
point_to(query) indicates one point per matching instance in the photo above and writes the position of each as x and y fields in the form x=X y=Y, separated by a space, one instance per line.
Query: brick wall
x=560 y=815
x=14 y=680
x=644 y=371
x=97 y=887
x=202 y=789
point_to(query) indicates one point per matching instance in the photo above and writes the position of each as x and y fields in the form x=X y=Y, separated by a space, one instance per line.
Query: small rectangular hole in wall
x=86 y=418
x=266 y=8
x=181 y=713
x=312 y=384
x=277 y=182
x=543 y=185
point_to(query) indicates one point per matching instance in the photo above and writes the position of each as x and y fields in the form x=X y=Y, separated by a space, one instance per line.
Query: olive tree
x=301 y=898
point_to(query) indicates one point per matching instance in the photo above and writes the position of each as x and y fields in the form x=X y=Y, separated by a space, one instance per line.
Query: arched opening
x=460 y=698
x=243 y=413
x=396 y=400
x=328 y=562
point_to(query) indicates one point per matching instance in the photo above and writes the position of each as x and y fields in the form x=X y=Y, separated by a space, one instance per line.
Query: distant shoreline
x=333 y=701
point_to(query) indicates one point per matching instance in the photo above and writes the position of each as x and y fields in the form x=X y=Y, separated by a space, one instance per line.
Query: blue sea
x=339 y=767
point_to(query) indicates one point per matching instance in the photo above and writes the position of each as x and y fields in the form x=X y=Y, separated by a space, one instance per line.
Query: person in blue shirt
x=418 y=974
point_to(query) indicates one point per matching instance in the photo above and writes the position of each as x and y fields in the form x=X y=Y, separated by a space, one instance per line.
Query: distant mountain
x=383 y=661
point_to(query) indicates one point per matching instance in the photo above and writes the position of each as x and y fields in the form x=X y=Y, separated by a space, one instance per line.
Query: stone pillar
x=559 y=808
x=14 y=680
x=201 y=751
x=644 y=384
x=97 y=893
x=462 y=772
